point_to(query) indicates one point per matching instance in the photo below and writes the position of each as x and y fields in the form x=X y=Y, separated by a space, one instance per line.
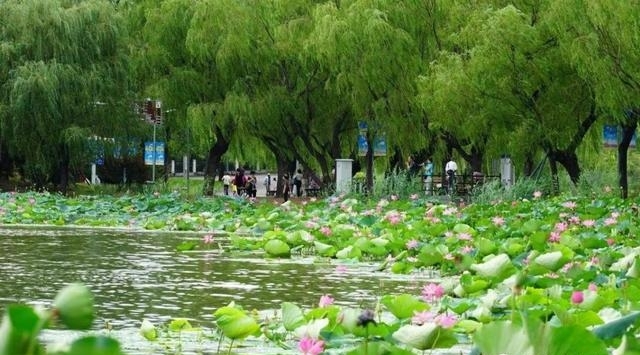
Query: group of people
x=451 y=169
x=240 y=184
x=289 y=186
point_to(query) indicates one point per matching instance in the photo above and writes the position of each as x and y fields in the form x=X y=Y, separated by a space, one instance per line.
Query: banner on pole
x=152 y=155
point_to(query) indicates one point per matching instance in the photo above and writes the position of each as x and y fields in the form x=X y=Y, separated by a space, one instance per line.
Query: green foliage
x=73 y=306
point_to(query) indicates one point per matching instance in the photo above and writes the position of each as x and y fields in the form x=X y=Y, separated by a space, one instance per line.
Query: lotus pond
x=393 y=276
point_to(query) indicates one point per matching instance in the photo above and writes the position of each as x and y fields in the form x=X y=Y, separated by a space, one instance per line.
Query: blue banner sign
x=153 y=156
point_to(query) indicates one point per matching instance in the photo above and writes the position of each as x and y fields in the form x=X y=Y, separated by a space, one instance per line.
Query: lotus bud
x=74 y=306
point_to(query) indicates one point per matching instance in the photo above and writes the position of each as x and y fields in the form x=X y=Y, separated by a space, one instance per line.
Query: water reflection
x=141 y=275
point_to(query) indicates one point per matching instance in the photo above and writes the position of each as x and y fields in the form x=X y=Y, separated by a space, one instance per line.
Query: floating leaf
x=277 y=248
x=179 y=324
x=292 y=316
x=426 y=336
x=186 y=245
x=95 y=345
x=234 y=323
x=403 y=306
x=148 y=330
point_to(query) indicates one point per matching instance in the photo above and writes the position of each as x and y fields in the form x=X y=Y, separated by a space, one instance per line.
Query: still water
x=141 y=275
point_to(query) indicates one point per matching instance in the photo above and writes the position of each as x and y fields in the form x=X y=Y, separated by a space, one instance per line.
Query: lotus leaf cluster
x=558 y=275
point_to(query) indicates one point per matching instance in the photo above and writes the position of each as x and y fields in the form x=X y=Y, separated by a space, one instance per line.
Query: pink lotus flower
x=537 y=194
x=341 y=268
x=449 y=211
x=325 y=230
x=325 y=301
x=412 y=244
x=593 y=287
x=570 y=205
x=393 y=197
x=207 y=239
x=467 y=249
x=394 y=217
x=420 y=318
x=611 y=241
x=560 y=227
x=577 y=297
x=311 y=224
x=448 y=234
x=615 y=214
x=554 y=237
x=497 y=221
x=574 y=220
x=368 y=212
x=432 y=292
x=589 y=223
x=610 y=221
x=464 y=236
x=446 y=320
x=310 y=346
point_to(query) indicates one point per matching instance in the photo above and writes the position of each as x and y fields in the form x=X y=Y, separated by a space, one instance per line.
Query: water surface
x=138 y=275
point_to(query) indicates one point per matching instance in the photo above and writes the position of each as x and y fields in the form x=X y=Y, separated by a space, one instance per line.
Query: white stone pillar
x=185 y=166
x=506 y=171
x=94 y=175
x=343 y=175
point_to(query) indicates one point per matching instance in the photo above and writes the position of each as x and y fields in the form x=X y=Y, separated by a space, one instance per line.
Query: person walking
x=428 y=177
x=451 y=168
x=297 y=182
x=252 y=184
x=226 y=181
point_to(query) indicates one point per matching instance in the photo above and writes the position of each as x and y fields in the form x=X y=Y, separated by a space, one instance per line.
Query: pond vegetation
x=533 y=275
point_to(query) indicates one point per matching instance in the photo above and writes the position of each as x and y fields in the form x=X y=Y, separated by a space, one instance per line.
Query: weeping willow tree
x=600 y=39
x=62 y=63
x=373 y=63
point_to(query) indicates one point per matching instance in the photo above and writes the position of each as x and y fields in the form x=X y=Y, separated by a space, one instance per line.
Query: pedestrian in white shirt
x=226 y=181
x=451 y=169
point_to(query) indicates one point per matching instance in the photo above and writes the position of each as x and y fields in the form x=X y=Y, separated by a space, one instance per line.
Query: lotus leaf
x=495 y=267
x=234 y=323
x=277 y=248
x=324 y=249
x=95 y=345
x=148 y=330
x=292 y=316
x=311 y=329
x=403 y=306
x=426 y=336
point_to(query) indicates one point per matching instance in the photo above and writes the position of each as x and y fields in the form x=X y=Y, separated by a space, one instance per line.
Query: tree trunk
x=64 y=171
x=628 y=130
x=555 y=183
x=569 y=161
x=369 y=162
x=528 y=166
x=213 y=162
x=282 y=163
x=475 y=159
